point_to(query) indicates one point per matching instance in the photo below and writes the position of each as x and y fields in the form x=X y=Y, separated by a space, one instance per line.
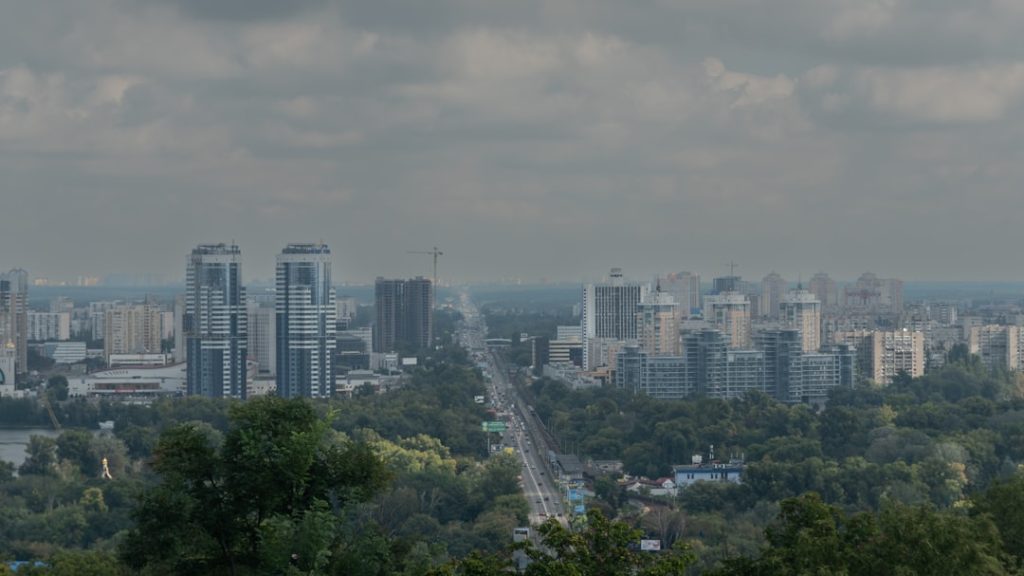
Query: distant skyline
x=534 y=139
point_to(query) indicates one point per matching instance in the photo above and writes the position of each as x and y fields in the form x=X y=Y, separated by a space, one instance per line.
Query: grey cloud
x=538 y=138
x=243 y=10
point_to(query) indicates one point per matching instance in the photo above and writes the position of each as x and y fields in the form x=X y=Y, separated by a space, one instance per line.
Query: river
x=14 y=440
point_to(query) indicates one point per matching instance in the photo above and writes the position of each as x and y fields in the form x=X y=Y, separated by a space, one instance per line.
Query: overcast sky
x=529 y=138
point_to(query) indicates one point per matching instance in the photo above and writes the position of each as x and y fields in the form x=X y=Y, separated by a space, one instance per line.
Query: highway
x=539 y=488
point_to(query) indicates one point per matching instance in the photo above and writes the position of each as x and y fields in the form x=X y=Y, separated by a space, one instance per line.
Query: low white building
x=65 y=352
x=131 y=383
x=139 y=360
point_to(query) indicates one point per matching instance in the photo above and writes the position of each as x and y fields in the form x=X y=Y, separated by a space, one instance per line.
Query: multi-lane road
x=540 y=489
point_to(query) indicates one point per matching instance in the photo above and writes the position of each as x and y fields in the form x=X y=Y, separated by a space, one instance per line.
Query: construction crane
x=435 y=253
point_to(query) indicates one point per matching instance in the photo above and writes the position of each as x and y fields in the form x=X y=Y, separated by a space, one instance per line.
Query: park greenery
x=919 y=477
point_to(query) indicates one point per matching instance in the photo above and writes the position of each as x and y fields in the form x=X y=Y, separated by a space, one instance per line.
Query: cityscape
x=480 y=288
x=671 y=337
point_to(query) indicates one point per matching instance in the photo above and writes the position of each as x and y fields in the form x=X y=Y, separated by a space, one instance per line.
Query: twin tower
x=216 y=330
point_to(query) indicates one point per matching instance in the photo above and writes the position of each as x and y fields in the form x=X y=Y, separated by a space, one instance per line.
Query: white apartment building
x=801 y=310
x=730 y=313
x=49 y=326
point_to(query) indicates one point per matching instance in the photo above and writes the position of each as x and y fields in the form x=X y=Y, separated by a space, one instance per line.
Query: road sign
x=495 y=426
x=575 y=495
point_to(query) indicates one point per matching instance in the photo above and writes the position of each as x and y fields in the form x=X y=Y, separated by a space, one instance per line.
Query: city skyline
x=545 y=139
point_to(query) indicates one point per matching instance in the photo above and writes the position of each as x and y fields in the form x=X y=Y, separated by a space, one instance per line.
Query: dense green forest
x=921 y=475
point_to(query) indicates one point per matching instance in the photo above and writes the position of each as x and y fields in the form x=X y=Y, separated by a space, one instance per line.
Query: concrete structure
x=873 y=294
x=569 y=333
x=944 y=313
x=705 y=354
x=662 y=377
x=812 y=376
x=780 y=347
x=14 y=316
x=730 y=313
x=404 y=316
x=609 y=313
x=724 y=284
x=713 y=471
x=744 y=372
x=262 y=338
x=773 y=289
x=999 y=347
x=306 y=323
x=65 y=352
x=685 y=289
x=801 y=310
x=353 y=349
x=8 y=362
x=881 y=355
x=657 y=327
x=178 y=310
x=97 y=317
x=45 y=326
x=132 y=329
x=215 y=322
x=132 y=384
x=825 y=289
x=139 y=360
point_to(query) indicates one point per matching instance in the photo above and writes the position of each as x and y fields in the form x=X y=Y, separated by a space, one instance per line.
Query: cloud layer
x=527 y=139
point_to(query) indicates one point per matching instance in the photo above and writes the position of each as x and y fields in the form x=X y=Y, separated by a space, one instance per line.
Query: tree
x=41 y=457
x=603 y=548
x=75 y=447
x=57 y=388
x=1004 y=504
x=277 y=484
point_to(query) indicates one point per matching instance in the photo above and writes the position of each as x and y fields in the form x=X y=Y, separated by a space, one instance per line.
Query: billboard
x=650 y=545
x=494 y=426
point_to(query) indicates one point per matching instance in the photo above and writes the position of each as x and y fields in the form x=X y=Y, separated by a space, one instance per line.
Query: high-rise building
x=873 y=294
x=801 y=310
x=705 y=354
x=825 y=289
x=306 y=322
x=403 y=310
x=14 y=315
x=132 y=329
x=773 y=289
x=944 y=313
x=662 y=377
x=882 y=355
x=8 y=358
x=724 y=284
x=730 y=313
x=812 y=376
x=658 y=325
x=179 y=328
x=998 y=347
x=262 y=346
x=419 y=313
x=215 y=322
x=685 y=288
x=609 y=312
x=780 y=347
x=49 y=326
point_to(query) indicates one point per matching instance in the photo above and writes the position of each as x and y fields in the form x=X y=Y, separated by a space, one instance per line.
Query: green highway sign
x=497 y=426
